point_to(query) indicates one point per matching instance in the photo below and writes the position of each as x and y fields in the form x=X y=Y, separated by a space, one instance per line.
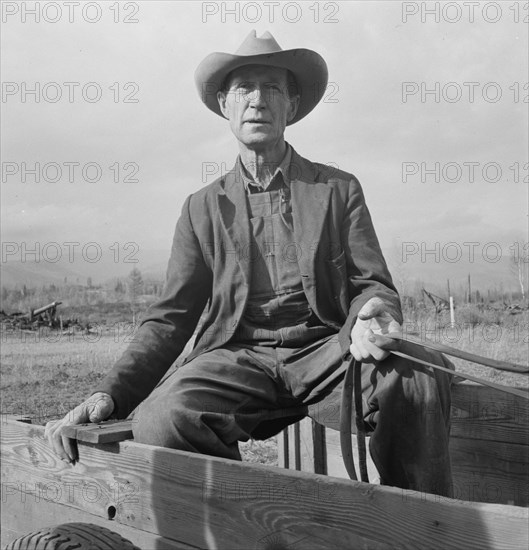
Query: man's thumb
x=371 y=309
x=101 y=410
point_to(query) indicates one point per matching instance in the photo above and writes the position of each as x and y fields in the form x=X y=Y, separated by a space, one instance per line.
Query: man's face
x=258 y=105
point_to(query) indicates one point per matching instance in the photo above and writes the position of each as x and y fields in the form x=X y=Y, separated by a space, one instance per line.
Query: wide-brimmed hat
x=308 y=67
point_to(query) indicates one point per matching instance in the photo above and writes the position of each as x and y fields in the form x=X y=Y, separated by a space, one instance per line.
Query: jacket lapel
x=310 y=204
x=233 y=210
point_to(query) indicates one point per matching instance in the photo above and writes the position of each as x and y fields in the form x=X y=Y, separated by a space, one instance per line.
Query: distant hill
x=484 y=275
x=34 y=274
x=153 y=264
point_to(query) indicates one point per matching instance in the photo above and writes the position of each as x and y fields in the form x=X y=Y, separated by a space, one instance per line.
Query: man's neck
x=262 y=164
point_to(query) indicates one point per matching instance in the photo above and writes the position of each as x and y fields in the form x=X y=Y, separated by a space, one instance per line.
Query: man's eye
x=274 y=88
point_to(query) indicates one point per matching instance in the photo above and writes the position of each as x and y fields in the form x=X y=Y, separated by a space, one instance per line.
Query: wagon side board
x=162 y=498
x=489 y=444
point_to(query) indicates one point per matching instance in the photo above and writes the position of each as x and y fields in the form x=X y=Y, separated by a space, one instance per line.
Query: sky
x=428 y=110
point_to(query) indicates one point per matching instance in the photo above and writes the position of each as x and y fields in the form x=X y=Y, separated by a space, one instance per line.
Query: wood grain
x=105 y=432
x=489 y=444
x=24 y=515
x=479 y=412
x=335 y=462
x=321 y=452
x=486 y=471
x=210 y=502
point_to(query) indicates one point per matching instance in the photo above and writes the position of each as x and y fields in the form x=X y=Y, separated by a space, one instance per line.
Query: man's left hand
x=368 y=342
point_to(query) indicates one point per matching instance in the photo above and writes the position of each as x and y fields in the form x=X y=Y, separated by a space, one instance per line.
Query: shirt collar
x=283 y=169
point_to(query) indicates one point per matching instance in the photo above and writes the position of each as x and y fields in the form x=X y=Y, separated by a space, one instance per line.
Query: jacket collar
x=283 y=168
x=310 y=206
x=310 y=200
x=300 y=169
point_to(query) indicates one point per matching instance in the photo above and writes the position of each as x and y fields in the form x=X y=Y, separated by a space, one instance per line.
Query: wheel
x=72 y=536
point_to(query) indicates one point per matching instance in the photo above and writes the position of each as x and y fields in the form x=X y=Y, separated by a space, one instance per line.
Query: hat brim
x=307 y=66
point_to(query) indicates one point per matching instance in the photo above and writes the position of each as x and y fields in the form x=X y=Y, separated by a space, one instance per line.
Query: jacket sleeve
x=367 y=272
x=167 y=325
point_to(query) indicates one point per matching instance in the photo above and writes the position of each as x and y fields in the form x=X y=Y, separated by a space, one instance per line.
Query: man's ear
x=221 y=98
x=293 y=107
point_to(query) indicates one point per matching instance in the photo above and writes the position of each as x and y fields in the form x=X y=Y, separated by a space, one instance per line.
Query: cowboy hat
x=308 y=67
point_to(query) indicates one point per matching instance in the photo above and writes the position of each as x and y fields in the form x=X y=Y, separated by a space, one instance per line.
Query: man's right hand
x=96 y=408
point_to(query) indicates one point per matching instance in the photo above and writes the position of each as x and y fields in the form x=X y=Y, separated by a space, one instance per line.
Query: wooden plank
x=482 y=472
x=283 y=451
x=298 y=445
x=15 y=524
x=479 y=412
x=489 y=444
x=310 y=455
x=25 y=418
x=110 y=431
x=211 y=502
x=490 y=471
x=335 y=464
x=319 y=446
x=321 y=453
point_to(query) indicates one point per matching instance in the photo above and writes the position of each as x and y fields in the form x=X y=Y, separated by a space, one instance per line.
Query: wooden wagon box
x=166 y=499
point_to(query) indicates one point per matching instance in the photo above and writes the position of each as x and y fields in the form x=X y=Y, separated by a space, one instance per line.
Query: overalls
x=283 y=358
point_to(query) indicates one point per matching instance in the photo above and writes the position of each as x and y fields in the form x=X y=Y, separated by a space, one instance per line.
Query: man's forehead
x=258 y=72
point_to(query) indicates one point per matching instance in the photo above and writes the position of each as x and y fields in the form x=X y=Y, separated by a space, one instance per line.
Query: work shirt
x=277 y=312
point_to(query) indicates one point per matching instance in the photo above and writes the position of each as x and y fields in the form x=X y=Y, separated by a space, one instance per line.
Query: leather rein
x=352 y=393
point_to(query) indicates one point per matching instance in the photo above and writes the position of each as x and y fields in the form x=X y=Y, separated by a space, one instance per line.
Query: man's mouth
x=256 y=121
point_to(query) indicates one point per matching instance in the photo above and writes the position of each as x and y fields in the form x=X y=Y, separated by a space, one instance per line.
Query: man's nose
x=257 y=98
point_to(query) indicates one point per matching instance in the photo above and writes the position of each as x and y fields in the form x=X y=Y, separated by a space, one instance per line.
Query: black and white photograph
x=264 y=275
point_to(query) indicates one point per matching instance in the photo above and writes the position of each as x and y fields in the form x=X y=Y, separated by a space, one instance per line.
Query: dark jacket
x=339 y=259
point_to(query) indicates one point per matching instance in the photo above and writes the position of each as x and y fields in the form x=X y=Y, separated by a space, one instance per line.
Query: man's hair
x=292 y=85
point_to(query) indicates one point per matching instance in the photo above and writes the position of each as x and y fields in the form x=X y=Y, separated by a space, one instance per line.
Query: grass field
x=45 y=375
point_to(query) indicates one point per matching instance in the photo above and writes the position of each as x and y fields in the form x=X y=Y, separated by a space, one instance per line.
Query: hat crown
x=308 y=68
x=254 y=45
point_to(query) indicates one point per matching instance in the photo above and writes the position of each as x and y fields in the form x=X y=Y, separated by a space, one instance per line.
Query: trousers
x=247 y=391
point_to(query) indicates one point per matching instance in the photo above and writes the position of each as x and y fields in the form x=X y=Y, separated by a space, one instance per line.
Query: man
x=283 y=255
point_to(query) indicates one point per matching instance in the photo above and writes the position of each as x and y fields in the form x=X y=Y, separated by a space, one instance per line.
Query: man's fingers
x=49 y=427
x=384 y=342
x=366 y=356
x=374 y=352
x=364 y=352
x=95 y=409
x=366 y=348
x=101 y=409
x=394 y=326
x=355 y=352
x=371 y=309
x=63 y=447
x=55 y=440
x=374 y=307
x=70 y=447
x=51 y=432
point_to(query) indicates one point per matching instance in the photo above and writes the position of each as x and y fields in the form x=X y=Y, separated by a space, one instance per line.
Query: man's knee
x=155 y=423
x=181 y=416
x=411 y=389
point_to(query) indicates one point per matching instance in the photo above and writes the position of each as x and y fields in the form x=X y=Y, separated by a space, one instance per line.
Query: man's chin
x=256 y=139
